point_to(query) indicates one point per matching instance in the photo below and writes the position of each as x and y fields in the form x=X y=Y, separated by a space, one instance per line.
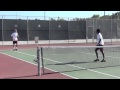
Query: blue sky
x=70 y=14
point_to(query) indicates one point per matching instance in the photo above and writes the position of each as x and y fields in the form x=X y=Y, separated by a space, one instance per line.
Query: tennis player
x=100 y=42
x=15 y=36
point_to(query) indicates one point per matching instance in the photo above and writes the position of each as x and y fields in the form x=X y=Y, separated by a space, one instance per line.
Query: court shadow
x=46 y=73
x=104 y=67
x=87 y=68
x=19 y=77
x=74 y=62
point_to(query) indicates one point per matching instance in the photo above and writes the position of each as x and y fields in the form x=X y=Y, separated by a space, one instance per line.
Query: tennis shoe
x=96 y=60
x=103 y=60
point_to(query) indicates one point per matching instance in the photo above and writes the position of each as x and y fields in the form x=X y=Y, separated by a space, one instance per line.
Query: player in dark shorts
x=15 y=39
x=15 y=42
x=100 y=42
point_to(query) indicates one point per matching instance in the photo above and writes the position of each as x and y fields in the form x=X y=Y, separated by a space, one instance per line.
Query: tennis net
x=72 y=58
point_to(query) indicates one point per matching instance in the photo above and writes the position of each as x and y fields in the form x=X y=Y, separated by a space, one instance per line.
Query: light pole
x=44 y=15
x=104 y=13
x=16 y=15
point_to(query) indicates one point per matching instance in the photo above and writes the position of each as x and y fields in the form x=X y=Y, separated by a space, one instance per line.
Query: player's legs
x=102 y=55
x=96 y=54
x=16 y=42
x=13 y=45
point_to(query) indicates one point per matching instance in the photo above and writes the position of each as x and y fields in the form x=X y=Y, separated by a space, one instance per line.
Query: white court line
x=36 y=64
x=75 y=66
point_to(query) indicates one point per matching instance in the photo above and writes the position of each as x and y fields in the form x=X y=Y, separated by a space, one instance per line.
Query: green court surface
x=77 y=63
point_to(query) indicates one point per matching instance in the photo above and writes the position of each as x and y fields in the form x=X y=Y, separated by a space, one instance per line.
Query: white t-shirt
x=15 y=36
x=99 y=36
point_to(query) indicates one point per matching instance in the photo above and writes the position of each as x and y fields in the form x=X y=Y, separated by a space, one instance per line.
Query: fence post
x=68 y=31
x=27 y=31
x=111 y=30
x=2 y=32
x=49 y=31
x=117 y=30
x=86 y=32
x=93 y=31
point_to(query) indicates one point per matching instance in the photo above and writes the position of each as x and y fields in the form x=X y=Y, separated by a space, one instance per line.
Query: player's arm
x=99 y=40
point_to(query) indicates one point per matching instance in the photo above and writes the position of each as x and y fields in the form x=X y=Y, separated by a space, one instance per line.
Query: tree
x=105 y=17
x=116 y=15
x=95 y=16
x=76 y=19
x=52 y=19
x=60 y=19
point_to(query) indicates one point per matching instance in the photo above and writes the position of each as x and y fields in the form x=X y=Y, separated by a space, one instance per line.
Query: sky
x=65 y=14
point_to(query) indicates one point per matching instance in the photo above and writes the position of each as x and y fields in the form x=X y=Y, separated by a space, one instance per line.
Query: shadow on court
x=19 y=77
x=74 y=62
x=79 y=69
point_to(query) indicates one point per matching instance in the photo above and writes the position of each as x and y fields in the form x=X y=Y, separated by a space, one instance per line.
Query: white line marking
x=36 y=64
x=77 y=66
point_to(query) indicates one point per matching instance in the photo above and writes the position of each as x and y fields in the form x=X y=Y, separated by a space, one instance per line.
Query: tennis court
x=67 y=47
x=16 y=66
x=73 y=62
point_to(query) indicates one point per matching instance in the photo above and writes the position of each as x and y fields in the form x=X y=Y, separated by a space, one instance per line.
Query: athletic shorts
x=15 y=42
x=99 y=47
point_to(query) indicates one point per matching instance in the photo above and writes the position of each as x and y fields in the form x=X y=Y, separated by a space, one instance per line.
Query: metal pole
x=96 y=24
x=2 y=31
x=86 y=32
x=93 y=30
x=38 y=58
x=117 y=30
x=104 y=13
x=68 y=31
x=27 y=31
x=42 y=60
x=49 y=30
x=16 y=15
x=117 y=27
x=44 y=15
x=111 y=29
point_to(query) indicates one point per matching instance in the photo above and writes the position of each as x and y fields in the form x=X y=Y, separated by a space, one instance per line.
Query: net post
x=42 y=60
x=38 y=55
x=38 y=58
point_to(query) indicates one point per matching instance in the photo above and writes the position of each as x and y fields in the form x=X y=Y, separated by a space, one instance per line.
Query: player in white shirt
x=15 y=36
x=100 y=42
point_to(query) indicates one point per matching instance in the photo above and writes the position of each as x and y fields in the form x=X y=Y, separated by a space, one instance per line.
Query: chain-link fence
x=109 y=29
x=52 y=30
